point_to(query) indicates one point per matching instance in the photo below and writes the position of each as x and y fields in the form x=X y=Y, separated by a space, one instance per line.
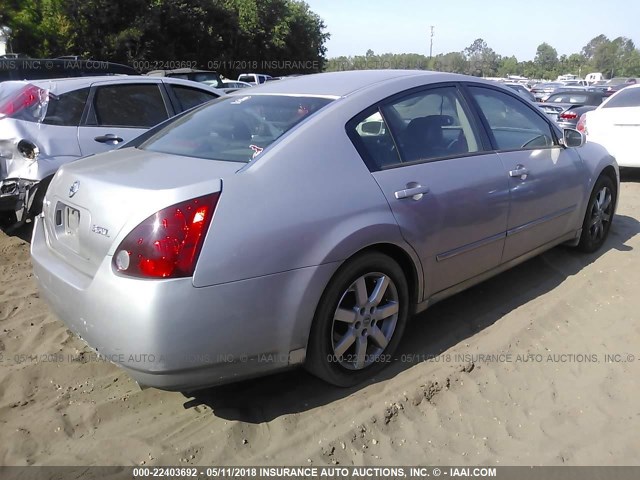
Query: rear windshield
x=628 y=97
x=568 y=98
x=236 y=128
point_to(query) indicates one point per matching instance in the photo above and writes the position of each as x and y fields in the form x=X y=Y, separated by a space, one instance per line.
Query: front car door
x=449 y=198
x=119 y=112
x=546 y=179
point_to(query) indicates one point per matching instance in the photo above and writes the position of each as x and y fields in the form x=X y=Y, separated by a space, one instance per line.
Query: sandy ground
x=512 y=372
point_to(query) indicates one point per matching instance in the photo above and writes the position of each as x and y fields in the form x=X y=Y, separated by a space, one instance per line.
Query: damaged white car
x=47 y=123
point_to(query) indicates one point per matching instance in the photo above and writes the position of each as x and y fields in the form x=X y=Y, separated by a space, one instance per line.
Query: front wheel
x=360 y=320
x=597 y=220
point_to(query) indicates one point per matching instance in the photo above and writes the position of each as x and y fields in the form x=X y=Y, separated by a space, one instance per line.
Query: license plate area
x=67 y=221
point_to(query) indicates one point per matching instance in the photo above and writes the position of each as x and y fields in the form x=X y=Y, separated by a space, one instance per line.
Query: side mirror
x=372 y=128
x=573 y=138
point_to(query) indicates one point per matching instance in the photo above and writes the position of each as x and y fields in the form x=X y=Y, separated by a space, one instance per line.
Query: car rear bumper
x=171 y=335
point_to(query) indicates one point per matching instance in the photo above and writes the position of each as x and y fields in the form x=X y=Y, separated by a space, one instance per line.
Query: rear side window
x=247 y=78
x=628 y=97
x=191 y=97
x=136 y=106
x=66 y=109
x=420 y=126
x=513 y=124
x=431 y=124
x=235 y=128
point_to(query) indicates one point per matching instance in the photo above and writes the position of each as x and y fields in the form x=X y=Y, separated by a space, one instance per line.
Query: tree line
x=231 y=34
x=613 y=58
x=240 y=35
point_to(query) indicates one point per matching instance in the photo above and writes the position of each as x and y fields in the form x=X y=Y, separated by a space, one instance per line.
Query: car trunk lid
x=93 y=203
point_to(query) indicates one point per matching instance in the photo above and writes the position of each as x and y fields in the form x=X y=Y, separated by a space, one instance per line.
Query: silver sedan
x=303 y=222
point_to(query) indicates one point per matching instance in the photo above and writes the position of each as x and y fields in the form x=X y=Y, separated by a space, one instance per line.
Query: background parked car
x=541 y=91
x=303 y=222
x=47 y=123
x=616 y=125
x=618 y=83
x=566 y=107
x=211 y=78
x=521 y=89
x=229 y=86
x=254 y=78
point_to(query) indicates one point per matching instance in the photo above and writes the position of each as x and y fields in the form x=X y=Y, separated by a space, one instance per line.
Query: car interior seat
x=423 y=137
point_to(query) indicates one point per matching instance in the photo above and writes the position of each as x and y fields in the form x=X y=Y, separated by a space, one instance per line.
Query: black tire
x=367 y=321
x=599 y=215
x=36 y=205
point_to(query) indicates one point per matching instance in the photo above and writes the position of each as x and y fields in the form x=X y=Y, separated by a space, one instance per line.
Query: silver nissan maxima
x=303 y=222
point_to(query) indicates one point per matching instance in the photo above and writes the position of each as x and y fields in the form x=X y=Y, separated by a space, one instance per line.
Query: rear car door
x=449 y=197
x=546 y=180
x=119 y=112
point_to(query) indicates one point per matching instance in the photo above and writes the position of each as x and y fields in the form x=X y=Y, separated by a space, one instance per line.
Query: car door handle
x=415 y=193
x=109 y=138
x=519 y=172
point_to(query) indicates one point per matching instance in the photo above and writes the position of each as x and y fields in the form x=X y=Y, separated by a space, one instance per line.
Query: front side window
x=137 y=106
x=235 y=128
x=513 y=124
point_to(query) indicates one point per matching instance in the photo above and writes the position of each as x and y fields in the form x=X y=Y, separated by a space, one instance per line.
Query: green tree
x=236 y=34
x=481 y=60
x=546 y=60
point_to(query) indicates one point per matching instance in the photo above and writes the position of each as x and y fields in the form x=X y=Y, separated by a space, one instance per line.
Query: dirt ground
x=538 y=366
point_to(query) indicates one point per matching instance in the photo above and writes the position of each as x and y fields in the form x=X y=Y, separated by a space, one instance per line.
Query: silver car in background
x=47 y=123
x=303 y=222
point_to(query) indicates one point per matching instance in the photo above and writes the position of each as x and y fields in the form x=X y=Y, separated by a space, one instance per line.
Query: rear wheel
x=360 y=320
x=597 y=220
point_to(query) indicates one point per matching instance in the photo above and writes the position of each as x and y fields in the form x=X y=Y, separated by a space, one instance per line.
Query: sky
x=514 y=27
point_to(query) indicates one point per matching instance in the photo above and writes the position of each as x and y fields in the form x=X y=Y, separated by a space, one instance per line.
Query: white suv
x=254 y=78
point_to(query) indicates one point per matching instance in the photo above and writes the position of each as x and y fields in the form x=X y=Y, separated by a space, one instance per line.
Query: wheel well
x=610 y=172
x=405 y=262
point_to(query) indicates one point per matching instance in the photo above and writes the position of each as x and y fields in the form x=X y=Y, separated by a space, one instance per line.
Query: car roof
x=341 y=84
x=72 y=83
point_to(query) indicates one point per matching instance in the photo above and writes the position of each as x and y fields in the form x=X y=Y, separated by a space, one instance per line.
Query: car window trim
x=489 y=132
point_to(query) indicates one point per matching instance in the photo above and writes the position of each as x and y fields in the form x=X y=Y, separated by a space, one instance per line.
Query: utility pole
x=431 y=44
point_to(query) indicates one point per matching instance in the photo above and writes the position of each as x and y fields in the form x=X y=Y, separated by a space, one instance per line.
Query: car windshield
x=628 y=97
x=236 y=128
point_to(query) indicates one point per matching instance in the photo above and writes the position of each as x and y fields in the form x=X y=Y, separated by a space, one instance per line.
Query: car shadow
x=23 y=231
x=428 y=334
x=629 y=174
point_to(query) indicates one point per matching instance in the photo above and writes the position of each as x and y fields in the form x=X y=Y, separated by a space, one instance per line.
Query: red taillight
x=568 y=115
x=167 y=244
x=26 y=97
x=582 y=124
